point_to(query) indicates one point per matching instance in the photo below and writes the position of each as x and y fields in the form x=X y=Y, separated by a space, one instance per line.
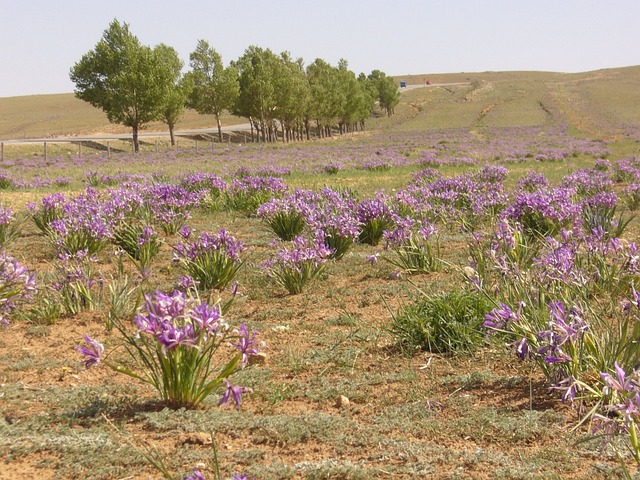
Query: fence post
x=196 y=145
x=80 y=150
x=45 y=151
x=156 y=145
x=108 y=149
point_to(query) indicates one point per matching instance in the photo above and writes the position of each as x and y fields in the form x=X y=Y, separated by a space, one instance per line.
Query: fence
x=16 y=149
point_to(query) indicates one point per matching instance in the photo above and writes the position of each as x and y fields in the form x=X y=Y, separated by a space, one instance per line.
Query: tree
x=257 y=99
x=120 y=76
x=176 y=87
x=291 y=95
x=214 y=87
x=326 y=97
x=369 y=95
x=388 y=95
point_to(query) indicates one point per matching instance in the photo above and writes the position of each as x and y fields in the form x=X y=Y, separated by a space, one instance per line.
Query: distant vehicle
x=403 y=83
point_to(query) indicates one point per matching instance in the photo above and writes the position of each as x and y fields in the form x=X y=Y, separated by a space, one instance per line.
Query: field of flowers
x=393 y=305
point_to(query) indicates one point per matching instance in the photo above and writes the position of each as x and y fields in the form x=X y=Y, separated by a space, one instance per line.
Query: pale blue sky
x=41 y=40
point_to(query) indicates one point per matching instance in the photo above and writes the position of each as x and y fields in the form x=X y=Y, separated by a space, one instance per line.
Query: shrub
x=442 y=323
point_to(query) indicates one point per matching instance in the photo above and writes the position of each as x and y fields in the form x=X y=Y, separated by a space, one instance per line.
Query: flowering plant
x=212 y=260
x=286 y=217
x=246 y=194
x=334 y=220
x=415 y=251
x=174 y=349
x=50 y=209
x=9 y=226
x=16 y=285
x=375 y=216
x=76 y=284
x=140 y=243
x=623 y=411
x=292 y=267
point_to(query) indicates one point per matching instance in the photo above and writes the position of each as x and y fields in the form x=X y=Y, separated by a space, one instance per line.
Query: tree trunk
x=136 y=142
x=171 y=134
x=219 y=128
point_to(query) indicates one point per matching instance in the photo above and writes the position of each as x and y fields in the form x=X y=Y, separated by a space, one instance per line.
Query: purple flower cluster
x=17 y=284
x=212 y=259
x=333 y=218
x=176 y=342
x=246 y=194
x=463 y=200
x=207 y=242
x=207 y=182
x=533 y=181
x=293 y=265
x=565 y=331
x=287 y=217
x=544 y=212
x=174 y=320
x=588 y=181
x=622 y=412
x=375 y=215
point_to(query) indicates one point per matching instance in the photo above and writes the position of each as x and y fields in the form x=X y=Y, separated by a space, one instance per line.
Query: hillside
x=598 y=104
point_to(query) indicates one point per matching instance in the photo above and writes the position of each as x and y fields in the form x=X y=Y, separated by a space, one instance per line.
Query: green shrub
x=442 y=323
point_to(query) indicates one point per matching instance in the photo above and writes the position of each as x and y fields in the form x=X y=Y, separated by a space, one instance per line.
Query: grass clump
x=442 y=323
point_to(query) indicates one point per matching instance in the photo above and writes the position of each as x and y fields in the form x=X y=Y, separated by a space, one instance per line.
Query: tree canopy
x=127 y=80
x=135 y=84
x=214 y=88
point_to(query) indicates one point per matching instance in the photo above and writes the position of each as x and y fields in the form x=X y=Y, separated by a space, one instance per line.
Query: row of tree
x=135 y=84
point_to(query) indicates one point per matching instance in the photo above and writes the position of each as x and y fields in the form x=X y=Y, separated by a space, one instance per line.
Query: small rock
x=259 y=358
x=342 y=401
x=194 y=438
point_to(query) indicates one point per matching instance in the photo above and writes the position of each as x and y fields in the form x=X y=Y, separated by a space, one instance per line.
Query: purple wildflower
x=93 y=352
x=233 y=392
x=196 y=475
x=172 y=335
x=569 y=387
x=248 y=344
x=620 y=383
x=500 y=317
x=208 y=318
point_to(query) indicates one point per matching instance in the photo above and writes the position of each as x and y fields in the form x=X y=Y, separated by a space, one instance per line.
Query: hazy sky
x=41 y=40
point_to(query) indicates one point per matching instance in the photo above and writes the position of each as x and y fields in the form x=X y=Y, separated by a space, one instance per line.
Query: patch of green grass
x=442 y=323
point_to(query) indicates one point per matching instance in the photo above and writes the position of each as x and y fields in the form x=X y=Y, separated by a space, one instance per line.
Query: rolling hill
x=602 y=104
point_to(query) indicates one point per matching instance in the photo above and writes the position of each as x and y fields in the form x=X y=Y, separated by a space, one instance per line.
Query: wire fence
x=12 y=150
